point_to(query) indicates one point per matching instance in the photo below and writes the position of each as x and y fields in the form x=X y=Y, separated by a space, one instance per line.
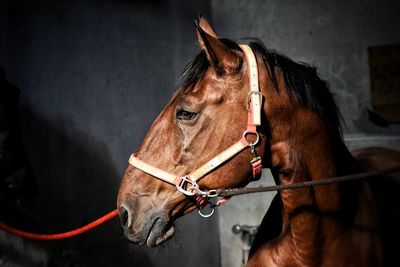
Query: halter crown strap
x=254 y=101
x=254 y=98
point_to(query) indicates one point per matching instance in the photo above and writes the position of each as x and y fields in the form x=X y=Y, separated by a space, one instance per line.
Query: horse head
x=206 y=115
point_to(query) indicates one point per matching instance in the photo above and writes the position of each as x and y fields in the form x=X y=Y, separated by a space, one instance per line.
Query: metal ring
x=212 y=193
x=255 y=133
x=206 y=215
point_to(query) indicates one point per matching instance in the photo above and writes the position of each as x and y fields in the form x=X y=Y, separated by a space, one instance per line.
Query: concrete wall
x=334 y=37
x=93 y=75
x=331 y=35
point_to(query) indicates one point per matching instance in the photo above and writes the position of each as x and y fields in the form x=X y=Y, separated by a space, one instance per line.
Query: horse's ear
x=221 y=58
x=205 y=26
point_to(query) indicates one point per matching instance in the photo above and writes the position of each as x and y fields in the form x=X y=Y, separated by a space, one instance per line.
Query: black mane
x=302 y=82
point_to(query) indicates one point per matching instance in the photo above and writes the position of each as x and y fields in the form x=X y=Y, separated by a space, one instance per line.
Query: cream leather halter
x=187 y=184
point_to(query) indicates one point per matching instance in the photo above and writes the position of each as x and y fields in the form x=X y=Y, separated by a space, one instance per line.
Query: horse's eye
x=185 y=115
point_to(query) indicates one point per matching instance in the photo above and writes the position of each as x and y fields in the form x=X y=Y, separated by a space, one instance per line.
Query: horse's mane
x=302 y=82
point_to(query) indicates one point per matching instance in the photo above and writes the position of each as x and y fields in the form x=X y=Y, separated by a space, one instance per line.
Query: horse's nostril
x=123 y=216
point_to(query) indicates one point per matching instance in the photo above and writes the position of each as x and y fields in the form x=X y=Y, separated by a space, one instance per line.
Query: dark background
x=94 y=74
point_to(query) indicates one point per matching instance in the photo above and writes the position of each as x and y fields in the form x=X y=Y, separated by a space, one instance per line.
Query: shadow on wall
x=75 y=173
x=77 y=183
x=16 y=176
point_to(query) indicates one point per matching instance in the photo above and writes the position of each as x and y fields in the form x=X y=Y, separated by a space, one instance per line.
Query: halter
x=187 y=184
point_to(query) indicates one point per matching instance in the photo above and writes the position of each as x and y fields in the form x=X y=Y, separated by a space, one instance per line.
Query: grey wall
x=93 y=75
x=331 y=35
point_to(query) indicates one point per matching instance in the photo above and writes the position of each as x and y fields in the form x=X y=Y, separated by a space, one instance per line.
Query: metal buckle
x=191 y=190
x=194 y=189
x=249 y=98
x=255 y=159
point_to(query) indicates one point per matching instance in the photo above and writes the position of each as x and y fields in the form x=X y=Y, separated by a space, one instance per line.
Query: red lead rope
x=68 y=234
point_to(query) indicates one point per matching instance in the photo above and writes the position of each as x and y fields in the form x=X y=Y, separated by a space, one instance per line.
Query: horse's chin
x=152 y=233
x=154 y=239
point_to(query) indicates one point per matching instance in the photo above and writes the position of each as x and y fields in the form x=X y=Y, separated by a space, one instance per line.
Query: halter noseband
x=187 y=184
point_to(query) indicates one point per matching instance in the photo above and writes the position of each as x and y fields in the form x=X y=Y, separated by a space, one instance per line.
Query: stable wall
x=93 y=76
x=332 y=35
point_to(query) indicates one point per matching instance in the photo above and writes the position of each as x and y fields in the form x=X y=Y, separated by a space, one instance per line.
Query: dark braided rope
x=353 y=177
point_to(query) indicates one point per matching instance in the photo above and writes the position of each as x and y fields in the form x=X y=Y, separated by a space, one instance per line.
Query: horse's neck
x=312 y=216
x=311 y=220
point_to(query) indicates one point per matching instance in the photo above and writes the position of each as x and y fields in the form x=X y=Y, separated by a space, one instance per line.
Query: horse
x=216 y=133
